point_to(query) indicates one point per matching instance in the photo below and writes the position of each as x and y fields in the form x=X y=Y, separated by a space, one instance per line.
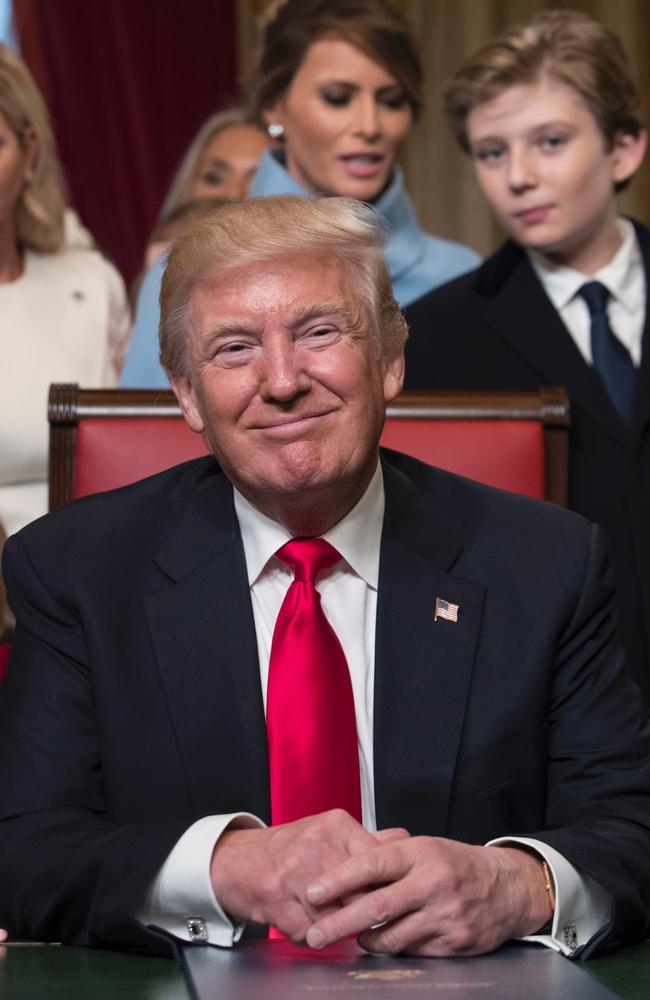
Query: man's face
x=286 y=380
x=542 y=161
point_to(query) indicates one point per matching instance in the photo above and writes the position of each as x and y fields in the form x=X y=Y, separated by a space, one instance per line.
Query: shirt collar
x=357 y=536
x=561 y=284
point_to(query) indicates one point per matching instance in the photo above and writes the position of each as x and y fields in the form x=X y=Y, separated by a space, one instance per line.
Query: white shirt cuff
x=181 y=899
x=582 y=906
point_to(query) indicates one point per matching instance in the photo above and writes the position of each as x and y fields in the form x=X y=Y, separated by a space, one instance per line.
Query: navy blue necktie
x=610 y=358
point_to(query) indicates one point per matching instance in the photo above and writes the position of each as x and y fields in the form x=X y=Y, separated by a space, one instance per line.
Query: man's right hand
x=261 y=875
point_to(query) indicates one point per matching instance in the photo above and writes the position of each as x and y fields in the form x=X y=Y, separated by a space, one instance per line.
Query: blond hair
x=39 y=211
x=264 y=229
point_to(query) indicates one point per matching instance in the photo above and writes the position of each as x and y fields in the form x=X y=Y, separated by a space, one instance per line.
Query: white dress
x=66 y=319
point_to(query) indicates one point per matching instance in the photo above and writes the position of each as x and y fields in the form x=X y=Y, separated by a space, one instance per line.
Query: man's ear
x=185 y=395
x=393 y=377
x=627 y=154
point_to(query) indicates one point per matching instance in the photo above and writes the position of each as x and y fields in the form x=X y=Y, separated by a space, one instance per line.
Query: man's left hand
x=432 y=896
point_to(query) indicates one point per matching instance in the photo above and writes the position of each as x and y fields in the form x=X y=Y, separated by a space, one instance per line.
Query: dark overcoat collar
x=519 y=312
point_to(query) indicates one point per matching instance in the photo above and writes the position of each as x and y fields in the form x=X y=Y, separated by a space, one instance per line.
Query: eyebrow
x=351 y=85
x=317 y=310
x=226 y=328
x=236 y=328
x=547 y=123
x=215 y=161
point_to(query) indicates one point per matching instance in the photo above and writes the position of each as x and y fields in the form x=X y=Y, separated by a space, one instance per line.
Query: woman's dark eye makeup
x=339 y=96
x=393 y=98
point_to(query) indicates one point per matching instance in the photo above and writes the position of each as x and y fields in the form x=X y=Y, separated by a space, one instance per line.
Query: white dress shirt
x=624 y=278
x=65 y=319
x=182 y=888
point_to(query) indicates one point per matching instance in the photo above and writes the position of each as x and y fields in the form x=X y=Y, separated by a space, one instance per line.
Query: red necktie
x=312 y=733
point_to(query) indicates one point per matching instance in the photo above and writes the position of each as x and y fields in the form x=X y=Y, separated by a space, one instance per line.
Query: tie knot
x=595 y=295
x=308 y=557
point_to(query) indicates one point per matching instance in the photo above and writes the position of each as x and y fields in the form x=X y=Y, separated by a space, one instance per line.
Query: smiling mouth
x=291 y=422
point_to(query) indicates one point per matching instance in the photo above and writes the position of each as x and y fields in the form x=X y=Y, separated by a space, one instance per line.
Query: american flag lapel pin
x=446 y=610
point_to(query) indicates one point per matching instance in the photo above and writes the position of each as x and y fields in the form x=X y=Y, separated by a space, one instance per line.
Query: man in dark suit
x=500 y=768
x=549 y=114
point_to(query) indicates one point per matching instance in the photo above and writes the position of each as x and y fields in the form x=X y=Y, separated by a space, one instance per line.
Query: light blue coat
x=142 y=369
x=417 y=262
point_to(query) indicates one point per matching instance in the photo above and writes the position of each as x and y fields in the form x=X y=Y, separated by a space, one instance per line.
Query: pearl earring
x=275 y=130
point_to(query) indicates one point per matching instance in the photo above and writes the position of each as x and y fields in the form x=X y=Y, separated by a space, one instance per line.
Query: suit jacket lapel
x=202 y=629
x=512 y=290
x=423 y=668
x=641 y=415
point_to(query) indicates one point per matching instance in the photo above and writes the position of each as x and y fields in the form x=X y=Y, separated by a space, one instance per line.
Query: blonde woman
x=219 y=163
x=63 y=310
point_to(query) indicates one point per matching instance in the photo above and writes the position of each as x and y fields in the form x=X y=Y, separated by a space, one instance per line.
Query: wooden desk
x=52 y=972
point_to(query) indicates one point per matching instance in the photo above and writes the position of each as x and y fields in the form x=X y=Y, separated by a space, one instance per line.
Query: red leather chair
x=515 y=441
x=103 y=438
x=5 y=651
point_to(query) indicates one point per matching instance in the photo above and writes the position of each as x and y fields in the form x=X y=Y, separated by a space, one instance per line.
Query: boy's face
x=541 y=160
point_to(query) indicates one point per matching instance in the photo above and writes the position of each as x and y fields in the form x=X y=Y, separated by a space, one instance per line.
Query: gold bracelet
x=549 y=886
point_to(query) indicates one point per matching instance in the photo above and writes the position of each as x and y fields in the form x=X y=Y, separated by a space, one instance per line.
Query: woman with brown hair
x=339 y=84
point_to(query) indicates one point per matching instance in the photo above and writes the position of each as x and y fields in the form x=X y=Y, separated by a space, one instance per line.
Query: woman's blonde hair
x=39 y=211
x=180 y=189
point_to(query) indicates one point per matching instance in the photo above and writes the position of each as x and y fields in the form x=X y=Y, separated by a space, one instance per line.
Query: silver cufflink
x=570 y=935
x=197 y=928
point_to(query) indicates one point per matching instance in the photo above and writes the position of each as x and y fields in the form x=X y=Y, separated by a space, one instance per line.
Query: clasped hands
x=325 y=878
